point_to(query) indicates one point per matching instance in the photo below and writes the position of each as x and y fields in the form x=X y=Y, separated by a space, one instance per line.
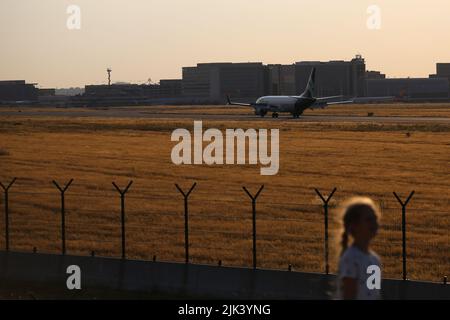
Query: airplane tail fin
x=311 y=86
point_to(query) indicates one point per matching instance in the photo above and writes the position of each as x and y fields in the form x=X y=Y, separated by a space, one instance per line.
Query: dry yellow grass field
x=358 y=159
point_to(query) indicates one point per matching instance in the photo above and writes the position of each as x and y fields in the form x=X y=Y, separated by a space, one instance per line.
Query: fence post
x=325 y=209
x=254 y=219
x=6 y=190
x=404 y=204
x=186 y=219
x=122 y=212
x=63 y=213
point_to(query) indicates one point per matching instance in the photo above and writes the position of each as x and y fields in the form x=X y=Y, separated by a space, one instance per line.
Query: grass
x=359 y=159
x=388 y=110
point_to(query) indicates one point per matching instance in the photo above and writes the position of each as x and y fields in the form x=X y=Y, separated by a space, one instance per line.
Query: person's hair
x=352 y=213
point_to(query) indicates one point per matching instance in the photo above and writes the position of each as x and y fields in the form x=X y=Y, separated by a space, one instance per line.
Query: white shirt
x=353 y=264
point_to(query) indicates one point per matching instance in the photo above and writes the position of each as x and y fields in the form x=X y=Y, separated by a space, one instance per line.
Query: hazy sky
x=141 y=39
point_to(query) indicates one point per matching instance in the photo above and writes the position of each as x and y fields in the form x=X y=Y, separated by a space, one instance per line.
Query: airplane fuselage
x=292 y=104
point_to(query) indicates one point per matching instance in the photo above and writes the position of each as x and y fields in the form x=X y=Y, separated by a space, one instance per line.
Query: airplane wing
x=328 y=98
x=259 y=108
x=373 y=99
x=230 y=103
x=322 y=103
x=340 y=102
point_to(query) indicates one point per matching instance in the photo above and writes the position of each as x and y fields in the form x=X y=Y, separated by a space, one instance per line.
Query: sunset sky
x=141 y=39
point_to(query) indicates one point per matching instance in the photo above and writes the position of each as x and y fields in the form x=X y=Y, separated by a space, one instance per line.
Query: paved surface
x=220 y=115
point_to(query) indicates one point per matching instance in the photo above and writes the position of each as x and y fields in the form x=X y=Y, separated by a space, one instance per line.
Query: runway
x=198 y=114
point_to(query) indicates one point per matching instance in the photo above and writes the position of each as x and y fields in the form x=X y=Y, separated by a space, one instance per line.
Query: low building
x=121 y=94
x=413 y=88
x=375 y=75
x=170 y=88
x=165 y=89
x=114 y=90
x=46 y=92
x=18 y=90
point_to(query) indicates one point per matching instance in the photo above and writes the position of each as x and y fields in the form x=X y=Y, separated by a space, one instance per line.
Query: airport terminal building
x=213 y=81
x=333 y=78
x=443 y=71
x=410 y=88
x=281 y=80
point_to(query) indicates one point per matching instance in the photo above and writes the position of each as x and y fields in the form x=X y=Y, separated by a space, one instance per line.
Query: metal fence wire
x=168 y=225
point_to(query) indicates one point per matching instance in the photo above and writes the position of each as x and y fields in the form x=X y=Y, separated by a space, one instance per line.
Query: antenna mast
x=109 y=76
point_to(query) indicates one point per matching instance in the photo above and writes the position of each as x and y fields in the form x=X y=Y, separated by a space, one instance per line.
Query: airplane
x=295 y=105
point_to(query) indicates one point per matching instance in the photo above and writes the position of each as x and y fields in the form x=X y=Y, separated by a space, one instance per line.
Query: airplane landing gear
x=261 y=113
x=275 y=115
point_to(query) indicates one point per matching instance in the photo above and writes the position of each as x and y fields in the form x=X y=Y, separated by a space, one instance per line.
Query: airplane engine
x=260 y=112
